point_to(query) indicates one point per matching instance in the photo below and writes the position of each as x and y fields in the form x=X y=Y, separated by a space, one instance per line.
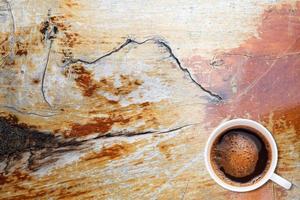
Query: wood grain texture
x=116 y=99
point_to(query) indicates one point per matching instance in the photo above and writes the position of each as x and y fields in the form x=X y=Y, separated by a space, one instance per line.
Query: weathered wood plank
x=115 y=100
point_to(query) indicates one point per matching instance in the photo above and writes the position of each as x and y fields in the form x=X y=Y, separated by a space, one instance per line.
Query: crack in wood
x=264 y=57
x=13 y=108
x=157 y=41
x=44 y=148
x=16 y=139
x=44 y=74
x=131 y=134
x=49 y=32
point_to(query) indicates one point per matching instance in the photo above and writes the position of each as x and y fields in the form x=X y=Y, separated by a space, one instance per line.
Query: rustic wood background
x=116 y=99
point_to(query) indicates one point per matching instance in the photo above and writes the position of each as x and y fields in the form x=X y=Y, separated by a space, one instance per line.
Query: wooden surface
x=116 y=99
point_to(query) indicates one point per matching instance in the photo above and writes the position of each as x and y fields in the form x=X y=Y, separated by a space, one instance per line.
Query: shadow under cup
x=240 y=155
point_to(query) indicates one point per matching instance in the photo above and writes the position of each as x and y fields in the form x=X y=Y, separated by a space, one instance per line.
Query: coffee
x=240 y=156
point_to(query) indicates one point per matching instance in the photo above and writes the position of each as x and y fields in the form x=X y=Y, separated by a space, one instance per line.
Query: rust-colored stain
x=165 y=149
x=129 y=84
x=21 y=48
x=59 y=22
x=84 y=80
x=71 y=3
x=4 y=44
x=36 y=81
x=15 y=176
x=112 y=152
x=67 y=38
x=261 y=65
x=24 y=191
x=27 y=43
x=71 y=39
x=4 y=40
x=120 y=116
x=96 y=125
x=265 y=67
x=3 y=179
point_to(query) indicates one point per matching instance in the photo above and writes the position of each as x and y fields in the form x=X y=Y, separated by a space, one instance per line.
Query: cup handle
x=281 y=181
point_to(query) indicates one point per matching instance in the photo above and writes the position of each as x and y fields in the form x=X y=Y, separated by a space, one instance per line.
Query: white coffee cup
x=269 y=175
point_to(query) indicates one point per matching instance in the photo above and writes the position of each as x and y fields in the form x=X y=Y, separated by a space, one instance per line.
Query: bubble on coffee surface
x=238 y=154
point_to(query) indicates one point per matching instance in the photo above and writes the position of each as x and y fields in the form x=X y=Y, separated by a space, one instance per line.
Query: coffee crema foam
x=240 y=156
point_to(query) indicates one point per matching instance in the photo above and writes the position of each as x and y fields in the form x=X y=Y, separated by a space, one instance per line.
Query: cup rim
x=251 y=124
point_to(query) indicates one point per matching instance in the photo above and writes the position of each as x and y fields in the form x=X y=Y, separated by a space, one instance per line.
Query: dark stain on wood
x=3 y=179
x=36 y=81
x=21 y=48
x=112 y=102
x=44 y=28
x=19 y=138
x=145 y=104
x=48 y=29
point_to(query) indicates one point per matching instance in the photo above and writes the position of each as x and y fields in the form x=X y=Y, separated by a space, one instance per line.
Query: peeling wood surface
x=116 y=99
